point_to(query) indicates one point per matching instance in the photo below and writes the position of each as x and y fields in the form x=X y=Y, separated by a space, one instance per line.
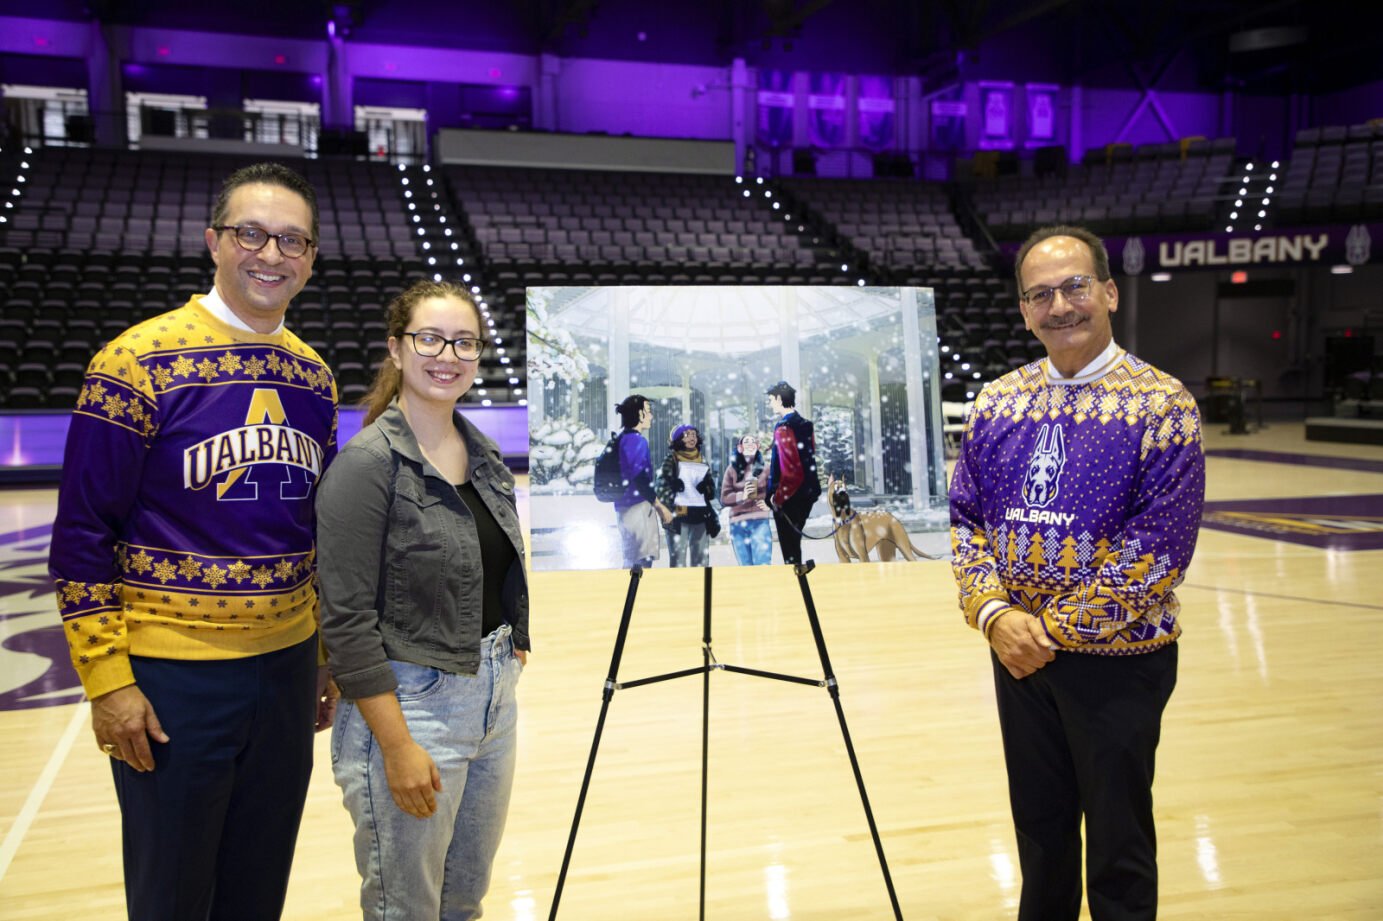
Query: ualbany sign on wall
x=1324 y=246
x=1300 y=247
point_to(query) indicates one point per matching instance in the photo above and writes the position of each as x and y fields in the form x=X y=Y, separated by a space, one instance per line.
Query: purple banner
x=876 y=110
x=948 y=113
x=996 y=116
x=776 y=102
x=827 y=105
x=1041 y=113
x=1325 y=246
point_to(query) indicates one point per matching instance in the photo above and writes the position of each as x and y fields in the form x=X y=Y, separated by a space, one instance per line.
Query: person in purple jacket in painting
x=1075 y=506
x=638 y=511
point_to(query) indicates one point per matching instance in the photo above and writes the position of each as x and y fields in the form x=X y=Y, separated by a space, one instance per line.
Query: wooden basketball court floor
x=1269 y=787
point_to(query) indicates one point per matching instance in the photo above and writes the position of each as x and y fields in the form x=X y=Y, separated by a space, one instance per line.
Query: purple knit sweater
x=185 y=524
x=1079 y=503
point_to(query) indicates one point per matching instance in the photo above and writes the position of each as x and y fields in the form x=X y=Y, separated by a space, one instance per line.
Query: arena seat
x=104 y=238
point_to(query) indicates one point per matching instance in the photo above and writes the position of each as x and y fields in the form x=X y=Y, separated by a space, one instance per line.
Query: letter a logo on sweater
x=264 y=439
x=265 y=406
x=1043 y=478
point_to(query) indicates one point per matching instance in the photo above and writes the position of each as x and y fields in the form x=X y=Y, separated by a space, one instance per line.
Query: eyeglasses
x=1075 y=289
x=254 y=239
x=430 y=345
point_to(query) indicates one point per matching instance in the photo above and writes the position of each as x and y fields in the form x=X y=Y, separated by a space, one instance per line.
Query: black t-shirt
x=496 y=556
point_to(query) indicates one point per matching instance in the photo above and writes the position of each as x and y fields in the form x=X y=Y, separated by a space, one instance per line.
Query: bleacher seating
x=1335 y=174
x=1114 y=190
x=533 y=227
x=100 y=239
x=899 y=226
x=557 y=227
x=591 y=227
x=907 y=233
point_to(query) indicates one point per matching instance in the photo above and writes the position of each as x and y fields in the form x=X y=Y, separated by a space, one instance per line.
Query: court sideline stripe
x=1257 y=594
x=31 y=806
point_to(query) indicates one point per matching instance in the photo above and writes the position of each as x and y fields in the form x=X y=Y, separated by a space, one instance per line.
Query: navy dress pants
x=209 y=834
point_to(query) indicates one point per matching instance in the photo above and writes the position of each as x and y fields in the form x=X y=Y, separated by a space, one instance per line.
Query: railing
x=402 y=143
x=828 y=162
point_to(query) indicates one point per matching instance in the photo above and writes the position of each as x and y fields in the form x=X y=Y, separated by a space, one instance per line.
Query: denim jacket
x=399 y=559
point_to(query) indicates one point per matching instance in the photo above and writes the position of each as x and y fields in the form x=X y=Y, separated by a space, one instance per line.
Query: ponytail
x=383 y=391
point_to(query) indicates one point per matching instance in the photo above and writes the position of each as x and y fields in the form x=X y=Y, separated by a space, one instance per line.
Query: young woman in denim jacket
x=425 y=620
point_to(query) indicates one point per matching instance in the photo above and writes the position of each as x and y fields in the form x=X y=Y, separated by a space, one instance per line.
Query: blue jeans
x=438 y=867
x=753 y=541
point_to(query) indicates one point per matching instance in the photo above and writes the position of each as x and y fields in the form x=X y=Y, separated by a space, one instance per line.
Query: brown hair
x=398 y=315
x=1097 y=249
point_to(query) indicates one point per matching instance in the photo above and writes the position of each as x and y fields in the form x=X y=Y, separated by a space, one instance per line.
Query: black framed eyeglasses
x=254 y=239
x=1075 y=289
x=430 y=345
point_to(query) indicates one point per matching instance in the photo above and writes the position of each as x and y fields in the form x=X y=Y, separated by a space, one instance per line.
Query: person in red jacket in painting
x=793 y=487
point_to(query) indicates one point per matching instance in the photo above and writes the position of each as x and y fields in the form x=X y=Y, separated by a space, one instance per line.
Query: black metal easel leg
x=705 y=726
x=833 y=689
x=610 y=682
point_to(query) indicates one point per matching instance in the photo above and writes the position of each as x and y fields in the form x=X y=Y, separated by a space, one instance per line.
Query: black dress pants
x=1080 y=736
x=789 y=520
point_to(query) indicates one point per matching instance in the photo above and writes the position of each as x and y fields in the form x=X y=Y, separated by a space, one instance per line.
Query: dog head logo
x=1044 y=468
x=1134 y=255
x=1357 y=245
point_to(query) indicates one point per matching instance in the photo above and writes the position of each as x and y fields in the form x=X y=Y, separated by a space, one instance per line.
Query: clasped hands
x=1021 y=644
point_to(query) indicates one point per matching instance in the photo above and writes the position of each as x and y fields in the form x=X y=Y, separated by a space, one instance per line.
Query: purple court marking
x=1303 y=460
x=1327 y=522
x=38 y=438
x=29 y=626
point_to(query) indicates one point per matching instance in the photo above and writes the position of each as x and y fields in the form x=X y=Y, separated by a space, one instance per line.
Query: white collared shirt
x=1091 y=372
x=221 y=311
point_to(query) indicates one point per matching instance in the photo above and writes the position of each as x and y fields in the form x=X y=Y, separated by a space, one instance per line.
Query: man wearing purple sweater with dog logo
x=1075 y=507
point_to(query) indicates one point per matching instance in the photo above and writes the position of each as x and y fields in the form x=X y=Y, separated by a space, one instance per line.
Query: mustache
x=1051 y=324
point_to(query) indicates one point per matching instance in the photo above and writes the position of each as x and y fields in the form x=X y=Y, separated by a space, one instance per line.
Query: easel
x=708 y=664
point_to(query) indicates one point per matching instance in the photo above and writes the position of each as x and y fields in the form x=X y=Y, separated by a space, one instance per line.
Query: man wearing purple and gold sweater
x=183 y=554
x=1075 y=506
